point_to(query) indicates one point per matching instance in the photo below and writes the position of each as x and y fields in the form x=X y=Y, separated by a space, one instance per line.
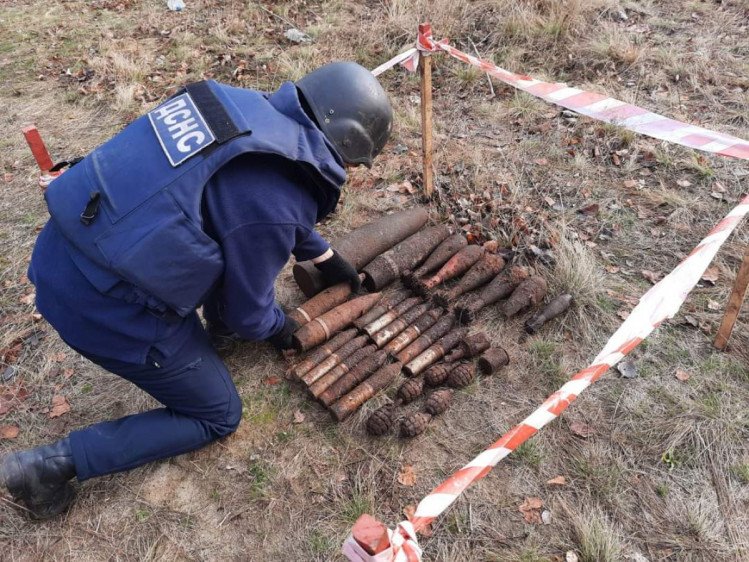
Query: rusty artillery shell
x=392 y=314
x=387 y=303
x=407 y=336
x=380 y=422
x=362 y=245
x=334 y=359
x=472 y=346
x=399 y=324
x=493 y=360
x=410 y=390
x=319 y=354
x=439 y=401
x=387 y=267
x=435 y=352
x=415 y=424
x=447 y=249
x=500 y=287
x=529 y=293
x=356 y=374
x=349 y=403
x=322 y=327
x=485 y=269
x=324 y=382
x=455 y=266
x=321 y=303
x=461 y=376
x=437 y=374
x=420 y=344
x=556 y=307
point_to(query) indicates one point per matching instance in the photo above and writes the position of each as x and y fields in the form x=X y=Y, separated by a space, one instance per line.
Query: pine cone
x=414 y=424
x=437 y=374
x=438 y=401
x=380 y=422
x=461 y=376
x=411 y=390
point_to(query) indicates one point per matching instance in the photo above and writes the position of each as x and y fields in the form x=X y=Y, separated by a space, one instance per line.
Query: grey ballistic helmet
x=351 y=108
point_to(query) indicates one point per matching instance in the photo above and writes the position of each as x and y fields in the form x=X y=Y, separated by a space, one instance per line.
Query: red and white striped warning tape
x=660 y=303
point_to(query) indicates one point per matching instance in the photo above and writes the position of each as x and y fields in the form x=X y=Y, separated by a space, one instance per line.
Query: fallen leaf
x=623 y=314
x=59 y=357
x=716 y=195
x=298 y=416
x=590 y=210
x=691 y=320
x=627 y=369
x=546 y=517
x=581 y=429
x=272 y=380
x=60 y=406
x=9 y=431
x=531 y=510
x=630 y=183
x=406 y=476
x=557 y=481
x=541 y=161
x=682 y=375
x=683 y=183
x=713 y=305
x=651 y=276
x=8 y=177
x=570 y=556
x=549 y=201
x=67 y=373
x=616 y=160
x=27 y=299
x=613 y=269
x=711 y=275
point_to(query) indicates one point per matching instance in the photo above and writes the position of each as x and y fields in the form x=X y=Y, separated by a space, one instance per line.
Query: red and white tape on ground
x=660 y=303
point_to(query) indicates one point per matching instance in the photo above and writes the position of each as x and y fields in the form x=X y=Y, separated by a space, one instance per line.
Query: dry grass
x=665 y=473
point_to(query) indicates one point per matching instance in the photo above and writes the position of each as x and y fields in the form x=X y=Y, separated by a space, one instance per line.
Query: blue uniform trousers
x=201 y=405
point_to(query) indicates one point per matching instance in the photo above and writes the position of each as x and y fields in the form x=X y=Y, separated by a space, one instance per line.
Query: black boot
x=40 y=478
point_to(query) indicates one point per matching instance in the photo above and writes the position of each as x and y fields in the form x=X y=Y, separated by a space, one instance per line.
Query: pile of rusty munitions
x=414 y=320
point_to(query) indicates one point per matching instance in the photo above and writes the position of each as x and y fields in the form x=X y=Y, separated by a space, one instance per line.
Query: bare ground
x=665 y=474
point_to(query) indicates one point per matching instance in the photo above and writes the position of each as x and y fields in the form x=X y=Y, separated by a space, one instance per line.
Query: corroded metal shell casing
x=435 y=352
x=414 y=424
x=322 y=384
x=387 y=267
x=388 y=302
x=407 y=336
x=500 y=287
x=530 y=292
x=556 y=307
x=349 y=403
x=461 y=376
x=321 y=303
x=437 y=374
x=486 y=268
x=447 y=249
x=422 y=343
x=356 y=374
x=472 y=346
x=391 y=315
x=456 y=265
x=493 y=360
x=318 y=355
x=380 y=422
x=438 y=401
x=323 y=327
x=395 y=327
x=334 y=359
x=410 y=390
x=363 y=244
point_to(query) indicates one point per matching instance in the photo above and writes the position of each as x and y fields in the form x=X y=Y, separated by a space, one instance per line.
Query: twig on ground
x=488 y=78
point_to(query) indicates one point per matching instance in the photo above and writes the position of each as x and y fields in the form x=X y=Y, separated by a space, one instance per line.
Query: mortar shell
x=493 y=360
x=356 y=374
x=398 y=325
x=324 y=382
x=435 y=352
x=422 y=343
x=321 y=303
x=387 y=303
x=351 y=402
x=387 y=267
x=556 y=307
x=407 y=336
x=391 y=315
x=485 y=269
x=318 y=355
x=323 y=327
x=363 y=244
x=471 y=346
x=447 y=249
x=500 y=287
x=529 y=293
x=455 y=266
x=334 y=359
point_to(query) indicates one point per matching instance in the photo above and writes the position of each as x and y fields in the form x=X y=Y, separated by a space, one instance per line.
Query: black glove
x=281 y=340
x=336 y=269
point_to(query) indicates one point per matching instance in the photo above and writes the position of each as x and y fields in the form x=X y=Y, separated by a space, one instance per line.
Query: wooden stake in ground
x=425 y=69
x=734 y=304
